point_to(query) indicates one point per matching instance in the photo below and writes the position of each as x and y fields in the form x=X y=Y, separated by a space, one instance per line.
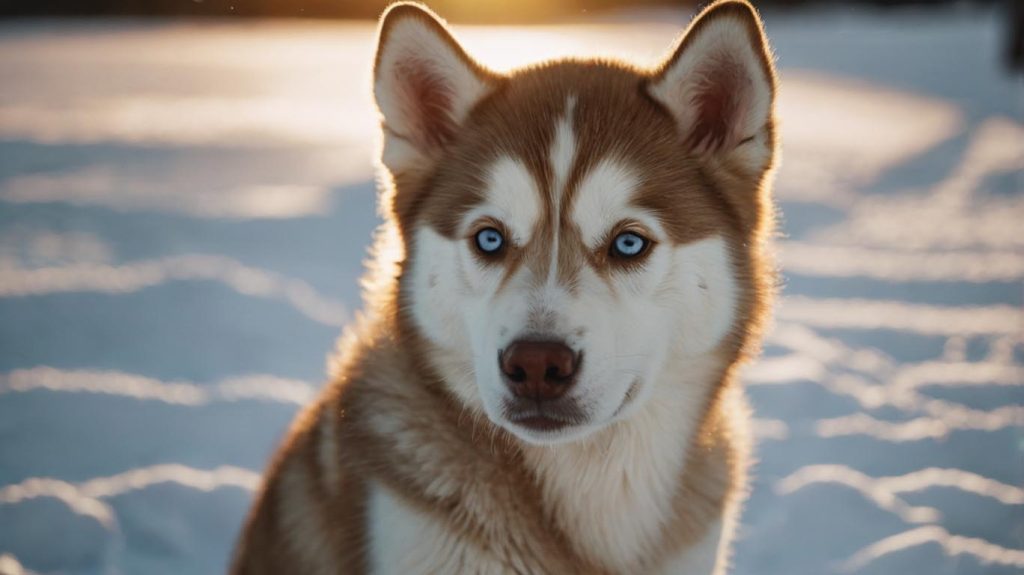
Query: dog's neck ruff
x=614 y=491
x=614 y=494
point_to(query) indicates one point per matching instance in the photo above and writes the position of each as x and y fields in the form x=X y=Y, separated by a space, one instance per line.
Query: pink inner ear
x=720 y=97
x=427 y=98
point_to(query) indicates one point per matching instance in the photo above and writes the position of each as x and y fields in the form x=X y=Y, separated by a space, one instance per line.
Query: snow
x=185 y=208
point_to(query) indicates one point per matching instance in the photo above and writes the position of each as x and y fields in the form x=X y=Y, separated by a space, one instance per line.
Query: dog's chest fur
x=632 y=499
x=381 y=476
x=615 y=493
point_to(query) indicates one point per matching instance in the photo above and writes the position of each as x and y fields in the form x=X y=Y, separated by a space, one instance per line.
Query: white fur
x=612 y=492
x=439 y=284
x=512 y=197
x=448 y=281
x=435 y=274
x=705 y=292
x=683 y=296
x=603 y=201
x=413 y=42
x=722 y=39
x=562 y=154
x=405 y=540
x=562 y=157
x=706 y=557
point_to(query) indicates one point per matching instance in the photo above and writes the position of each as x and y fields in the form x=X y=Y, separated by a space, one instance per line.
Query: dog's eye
x=489 y=241
x=628 y=245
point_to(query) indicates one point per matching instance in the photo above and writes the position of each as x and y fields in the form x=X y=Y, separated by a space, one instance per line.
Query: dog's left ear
x=719 y=84
x=425 y=85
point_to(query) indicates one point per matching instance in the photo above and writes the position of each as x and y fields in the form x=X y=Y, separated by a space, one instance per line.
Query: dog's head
x=572 y=228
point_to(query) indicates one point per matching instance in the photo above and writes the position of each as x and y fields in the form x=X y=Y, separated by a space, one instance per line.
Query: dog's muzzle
x=538 y=374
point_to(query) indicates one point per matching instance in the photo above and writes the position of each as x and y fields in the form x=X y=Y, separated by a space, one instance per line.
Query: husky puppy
x=544 y=379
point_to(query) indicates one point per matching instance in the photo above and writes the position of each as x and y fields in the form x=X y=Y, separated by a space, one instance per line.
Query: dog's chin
x=547 y=431
x=556 y=425
x=545 y=425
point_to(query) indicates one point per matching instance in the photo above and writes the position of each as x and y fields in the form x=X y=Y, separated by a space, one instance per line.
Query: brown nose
x=538 y=369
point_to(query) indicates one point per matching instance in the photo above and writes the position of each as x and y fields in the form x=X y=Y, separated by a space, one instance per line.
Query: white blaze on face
x=626 y=321
x=562 y=157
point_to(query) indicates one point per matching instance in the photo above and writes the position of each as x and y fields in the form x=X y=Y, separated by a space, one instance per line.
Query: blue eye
x=628 y=245
x=490 y=241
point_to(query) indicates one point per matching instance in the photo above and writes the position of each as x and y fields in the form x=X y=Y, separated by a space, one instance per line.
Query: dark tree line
x=493 y=11
x=457 y=10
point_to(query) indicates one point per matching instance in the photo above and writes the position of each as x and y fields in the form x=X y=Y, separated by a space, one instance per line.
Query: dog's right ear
x=425 y=85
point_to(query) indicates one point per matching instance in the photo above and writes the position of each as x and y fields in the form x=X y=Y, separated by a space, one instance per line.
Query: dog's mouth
x=543 y=416
x=629 y=397
x=553 y=416
x=541 y=423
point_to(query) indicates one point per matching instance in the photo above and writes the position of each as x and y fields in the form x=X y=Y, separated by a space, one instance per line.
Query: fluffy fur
x=412 y=460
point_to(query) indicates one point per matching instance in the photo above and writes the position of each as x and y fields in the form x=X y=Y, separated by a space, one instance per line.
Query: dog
x=574 y=267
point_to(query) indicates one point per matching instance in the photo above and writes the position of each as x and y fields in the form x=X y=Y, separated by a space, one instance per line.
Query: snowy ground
x=184 y=209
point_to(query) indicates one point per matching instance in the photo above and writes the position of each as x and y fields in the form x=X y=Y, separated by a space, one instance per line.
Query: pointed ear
x=719 y=82
x=424 y=84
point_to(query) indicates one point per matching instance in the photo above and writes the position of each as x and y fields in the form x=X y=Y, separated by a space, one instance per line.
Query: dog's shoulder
x=309 y=513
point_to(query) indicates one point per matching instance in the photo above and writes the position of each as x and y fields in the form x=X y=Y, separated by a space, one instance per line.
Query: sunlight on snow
x=311 y=87
x=252 y=387
x=246 y=280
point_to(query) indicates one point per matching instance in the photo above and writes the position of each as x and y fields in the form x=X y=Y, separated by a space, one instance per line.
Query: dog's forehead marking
x=562 y=157
x=563 y=149
x=602 y=197
x=512 y=191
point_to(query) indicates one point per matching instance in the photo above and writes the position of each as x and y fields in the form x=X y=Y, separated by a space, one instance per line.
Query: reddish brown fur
x=384 y=366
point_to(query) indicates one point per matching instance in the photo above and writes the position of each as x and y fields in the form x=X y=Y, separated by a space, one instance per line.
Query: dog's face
x=572 y=228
